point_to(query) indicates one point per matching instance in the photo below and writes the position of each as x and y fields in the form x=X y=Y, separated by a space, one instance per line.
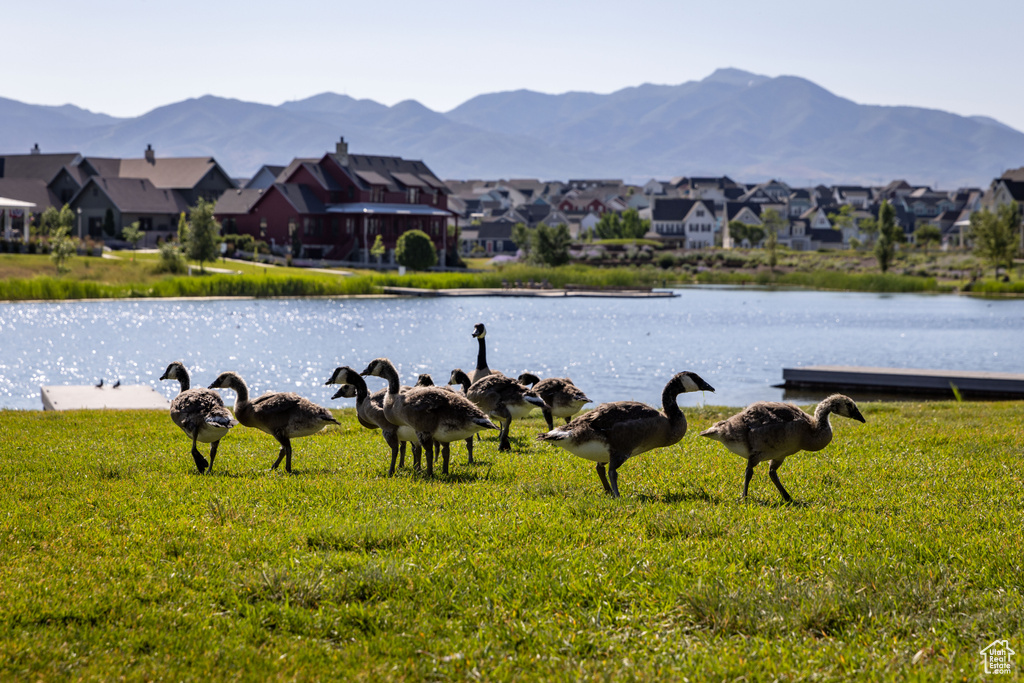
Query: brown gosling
x=502 y=398
x=283 y=415
x=433 y=413
x=773 y=431
x=370 y=413
x=425 y=380
x=612 y=433
x=200 y=413
x=562 y=397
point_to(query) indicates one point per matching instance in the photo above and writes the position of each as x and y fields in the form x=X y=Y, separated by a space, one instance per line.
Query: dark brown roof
x=169 y=172
x=29 y=190
x=39 y=166
x=237 y=201
x=137 y=195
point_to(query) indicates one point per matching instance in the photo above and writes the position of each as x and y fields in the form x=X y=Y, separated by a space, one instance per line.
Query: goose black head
x=528 y=378
x=345 y=391
x=844 y=405
x=341 y=375
x=174 y=371
x=479 y=331
x=425 y=380
x=226 y=380
x=376 y=368
x=691 y=381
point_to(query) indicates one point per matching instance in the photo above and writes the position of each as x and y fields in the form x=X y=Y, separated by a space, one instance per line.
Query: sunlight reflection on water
x=737 y=339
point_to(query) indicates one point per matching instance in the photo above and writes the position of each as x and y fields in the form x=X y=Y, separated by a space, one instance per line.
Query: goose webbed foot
x=201 y=463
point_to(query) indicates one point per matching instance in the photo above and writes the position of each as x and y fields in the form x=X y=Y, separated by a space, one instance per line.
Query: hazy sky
x=126 y=57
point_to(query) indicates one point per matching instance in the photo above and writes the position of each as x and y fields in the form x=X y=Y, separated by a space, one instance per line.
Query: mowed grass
x=900 y=560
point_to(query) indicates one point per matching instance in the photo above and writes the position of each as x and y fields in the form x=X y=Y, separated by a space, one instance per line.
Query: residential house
x=687 y=223
x=855 y=195
x=127 y=200
x=335 y=207
x=742 y=212
x=493 y=238
x=264 y=177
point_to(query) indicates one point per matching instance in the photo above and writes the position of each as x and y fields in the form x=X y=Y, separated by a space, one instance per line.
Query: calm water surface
x=737 y=339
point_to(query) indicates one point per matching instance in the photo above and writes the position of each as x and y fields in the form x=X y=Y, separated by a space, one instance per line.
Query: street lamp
x=79 y=224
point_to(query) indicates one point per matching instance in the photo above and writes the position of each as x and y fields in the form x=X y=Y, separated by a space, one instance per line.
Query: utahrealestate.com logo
x=998 y=657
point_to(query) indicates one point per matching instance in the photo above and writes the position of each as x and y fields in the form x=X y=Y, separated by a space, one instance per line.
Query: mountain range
x=733 y=122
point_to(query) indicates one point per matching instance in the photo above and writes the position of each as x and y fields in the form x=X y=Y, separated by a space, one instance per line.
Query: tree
x=928 y=233
x=132 y=234
x=552 y=244
x=773 y=223
x=888 y=235
x=203 y=234
x=378 y=249
x=523 y=238
x=843 y=219
x=993 y=235
x=415 y=250
x=62 y=247
x=869 y=228
x=108 y=224
x=633 y=226
x=48 y=222
x=739 y=231
x=629 y=225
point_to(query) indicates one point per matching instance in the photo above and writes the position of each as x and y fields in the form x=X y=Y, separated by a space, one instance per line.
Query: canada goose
x=200 y=413
x=500 y=397
x=425 y=380
x=481 y=370
x=283 y=415
x=562 y=397
x=612 y=433
x=99 y=385
x=433 y=413
x=773 y=431
x=117 y=384
x=370 y=413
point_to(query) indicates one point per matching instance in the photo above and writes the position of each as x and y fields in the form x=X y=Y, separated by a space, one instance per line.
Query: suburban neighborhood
x=334 y=208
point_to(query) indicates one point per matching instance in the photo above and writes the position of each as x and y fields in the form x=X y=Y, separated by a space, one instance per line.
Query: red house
x=335 y=207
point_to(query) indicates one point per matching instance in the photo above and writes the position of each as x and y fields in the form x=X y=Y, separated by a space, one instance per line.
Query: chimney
x=341 y=151
x=35 y=149
x=150 y=154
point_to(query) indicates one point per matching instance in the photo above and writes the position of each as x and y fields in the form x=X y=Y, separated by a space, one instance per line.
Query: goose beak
x=338 y=394
x=857 y=416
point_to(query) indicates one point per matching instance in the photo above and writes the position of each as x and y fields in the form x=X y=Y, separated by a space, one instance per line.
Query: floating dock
x=108 y=397
x=535 y=292
x=906 y=381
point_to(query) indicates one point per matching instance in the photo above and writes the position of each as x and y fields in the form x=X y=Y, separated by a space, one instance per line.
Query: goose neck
x=481 y=354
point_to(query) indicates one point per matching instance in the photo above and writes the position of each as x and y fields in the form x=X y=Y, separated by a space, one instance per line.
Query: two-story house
x=686 y=223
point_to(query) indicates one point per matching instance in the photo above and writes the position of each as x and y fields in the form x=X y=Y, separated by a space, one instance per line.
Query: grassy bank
x=900 y=561
x=30 y=277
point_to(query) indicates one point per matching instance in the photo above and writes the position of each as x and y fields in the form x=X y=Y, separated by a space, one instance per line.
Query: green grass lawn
x=901 y=559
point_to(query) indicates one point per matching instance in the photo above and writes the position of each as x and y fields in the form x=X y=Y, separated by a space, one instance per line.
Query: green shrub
x=171 y=260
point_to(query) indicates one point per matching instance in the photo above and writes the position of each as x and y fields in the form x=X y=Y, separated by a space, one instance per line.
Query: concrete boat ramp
x=107 y=397
x=936 y=383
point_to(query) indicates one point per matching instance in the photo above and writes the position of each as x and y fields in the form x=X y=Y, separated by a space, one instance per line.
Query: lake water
x=736 y=339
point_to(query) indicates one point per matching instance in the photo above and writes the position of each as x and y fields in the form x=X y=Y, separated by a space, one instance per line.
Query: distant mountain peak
x=739 y=77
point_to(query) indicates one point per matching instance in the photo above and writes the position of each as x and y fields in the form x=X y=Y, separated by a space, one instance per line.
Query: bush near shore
x=899 y=561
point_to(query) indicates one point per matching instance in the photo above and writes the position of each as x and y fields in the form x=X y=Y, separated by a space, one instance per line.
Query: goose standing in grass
x=433 y=413
x=502 y=398
x=560 y=395
x=481 y=370
x=370 y=413
x=769 y=430
x=612 y=433
x=283 y=415
x=425 y=380
x=200 y=413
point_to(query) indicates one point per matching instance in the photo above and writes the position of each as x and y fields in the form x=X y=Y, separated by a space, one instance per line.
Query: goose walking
x=612 y=433
x=200 y=413
x=433 y=413
x=425 y=380
x=560 y=395
x=773 y=431
x=283 y=415
x=502 y=398
x=370 y=413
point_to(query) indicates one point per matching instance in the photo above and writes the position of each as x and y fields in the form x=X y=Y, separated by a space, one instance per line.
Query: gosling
x=200 y=413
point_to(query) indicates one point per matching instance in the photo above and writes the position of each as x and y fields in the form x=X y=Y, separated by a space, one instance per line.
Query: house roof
x=39 y=166
x=1015 y=174
x=675 y=209
x=301 y=197
x=169 y=172
x=237 y=201
x=31 y=190
x=495 y=231
x=136 y=195
x=370 y=169
x=1015 y=188
x=733 y=209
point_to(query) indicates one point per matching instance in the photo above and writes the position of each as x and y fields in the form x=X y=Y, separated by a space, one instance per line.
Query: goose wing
x=277 y=402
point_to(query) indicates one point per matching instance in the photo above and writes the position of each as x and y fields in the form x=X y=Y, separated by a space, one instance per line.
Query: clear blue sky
x=125 y=57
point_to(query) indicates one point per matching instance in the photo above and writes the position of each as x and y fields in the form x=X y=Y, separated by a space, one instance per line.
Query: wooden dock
x=107 y=397
x=527 y=292
x=938 y=383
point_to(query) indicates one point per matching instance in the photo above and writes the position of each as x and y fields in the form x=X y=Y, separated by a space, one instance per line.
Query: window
x=700 y=212
x=413 y=195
